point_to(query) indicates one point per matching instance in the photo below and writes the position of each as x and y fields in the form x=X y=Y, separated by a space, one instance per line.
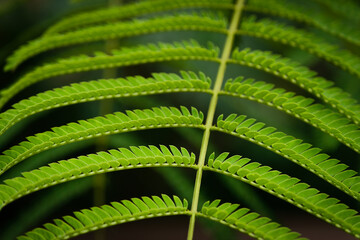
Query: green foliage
x=250 y=223
x=126 y=56
x=114 y=160
x=305 y=14
x=293 y=149
x=104 y=89
x=100 y=217
x=301 y=107
x=271 y=30
x=155 y=67
x=117 y=30
x=287 y=188
x=132 y=10
x=301 y=76
x=101 y=126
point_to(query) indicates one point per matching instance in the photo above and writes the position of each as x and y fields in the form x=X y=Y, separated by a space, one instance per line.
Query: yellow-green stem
x=211 y=111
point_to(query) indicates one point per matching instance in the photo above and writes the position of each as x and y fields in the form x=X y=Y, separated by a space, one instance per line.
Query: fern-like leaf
x=296 y=12
x=102 y=162
x=193 y=22
x=101 y=126
x=317 y=115
x=100 y=16
x=100 y=217
x=346 y=9
x=104 y=89
x=293 y=149
x=247 y=222
x=46 y=204
x=301 y=76
x=287 y=188
x=284 y=34
x=339 y=116
x=126 y=56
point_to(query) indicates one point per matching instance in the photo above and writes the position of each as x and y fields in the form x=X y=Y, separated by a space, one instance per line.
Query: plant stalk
x=211 y=112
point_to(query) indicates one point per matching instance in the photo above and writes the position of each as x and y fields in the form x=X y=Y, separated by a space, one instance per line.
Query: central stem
x=211 y=111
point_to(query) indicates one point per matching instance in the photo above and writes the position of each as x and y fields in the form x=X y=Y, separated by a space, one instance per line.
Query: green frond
x=338 y=114
x=301 y=76
x=277 y=8
x=104 y=89
x=303 y=154
x=133 y=10
x=184 y=22
x=297 y=12
x=317 y=115
x=346 y=9
x=118 y=122
x=247 y=222
x=102 y=162
x=288 y=35
x=124 y=57
x=287 y=188
x=88 y=220
x=49 y=202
